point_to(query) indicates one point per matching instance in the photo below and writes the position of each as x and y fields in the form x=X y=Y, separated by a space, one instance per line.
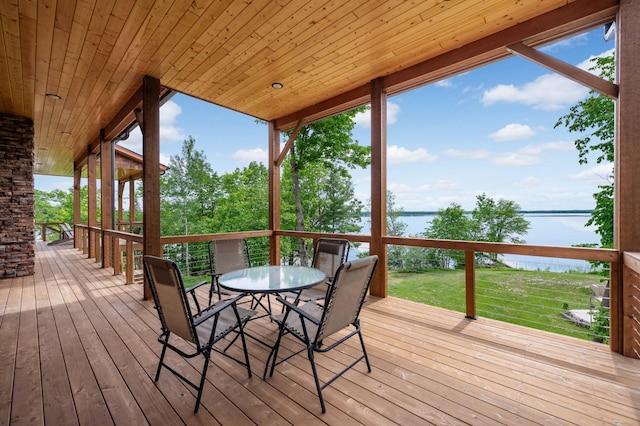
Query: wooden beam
x=274 y=194
x=289 y=143
x=106 y=198
x=92 y=219
x=77 y=203
x=627 y=172
x=150 y=166
x=576 y=16
x=124 y=117
x=379 y=186
x=574 y=73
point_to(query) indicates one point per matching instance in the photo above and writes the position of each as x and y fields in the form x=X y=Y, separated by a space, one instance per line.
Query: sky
x=489 y=130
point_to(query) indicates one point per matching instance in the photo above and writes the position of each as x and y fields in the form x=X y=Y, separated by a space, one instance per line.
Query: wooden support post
x=106 y=198
x=92 y=220
x=470 y=283
x=151 y=167
x=379 y=186
x=77 y=202
x=627 y=196
x=274 y=193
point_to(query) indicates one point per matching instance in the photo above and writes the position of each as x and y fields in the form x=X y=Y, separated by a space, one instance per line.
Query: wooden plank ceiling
x=94 y=53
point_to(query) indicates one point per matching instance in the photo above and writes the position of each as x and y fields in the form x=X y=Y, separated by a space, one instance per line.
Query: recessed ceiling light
x=277 y=85
x=53 y=96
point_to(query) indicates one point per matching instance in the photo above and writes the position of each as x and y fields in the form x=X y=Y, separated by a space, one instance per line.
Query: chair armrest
x=215 y=309
x=297 y=309
x=200 y=284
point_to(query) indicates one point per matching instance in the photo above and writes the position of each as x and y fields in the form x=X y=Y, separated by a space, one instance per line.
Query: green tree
x=594 y=118
x=244 y=204
x=451 y=223
x=396 y=255
x=54 y=206
x=322 y=154
x=498 y=223
x=189 y=191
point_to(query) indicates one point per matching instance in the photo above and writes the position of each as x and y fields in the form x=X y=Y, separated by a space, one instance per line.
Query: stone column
x=17 y=214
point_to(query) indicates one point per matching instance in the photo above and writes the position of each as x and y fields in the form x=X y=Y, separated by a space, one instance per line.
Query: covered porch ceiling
x=90 y=57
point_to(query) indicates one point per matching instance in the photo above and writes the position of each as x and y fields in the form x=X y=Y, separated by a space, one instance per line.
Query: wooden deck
x=77 y=346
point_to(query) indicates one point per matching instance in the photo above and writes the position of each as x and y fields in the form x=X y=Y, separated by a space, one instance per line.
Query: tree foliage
x=317 y=190
x=595 y=118
x=489 y=221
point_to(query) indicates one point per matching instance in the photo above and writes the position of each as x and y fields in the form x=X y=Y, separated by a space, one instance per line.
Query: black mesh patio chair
x=230 y=255
x=205 y=328
x=313 y=323
x=328 y=255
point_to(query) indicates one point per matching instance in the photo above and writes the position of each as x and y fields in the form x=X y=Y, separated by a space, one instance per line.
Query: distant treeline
x=547 y=212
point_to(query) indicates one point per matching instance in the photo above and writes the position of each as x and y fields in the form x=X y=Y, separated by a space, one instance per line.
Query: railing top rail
x=583 y=253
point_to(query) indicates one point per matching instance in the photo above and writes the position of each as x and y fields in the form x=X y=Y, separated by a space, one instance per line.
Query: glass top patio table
x=271 y=279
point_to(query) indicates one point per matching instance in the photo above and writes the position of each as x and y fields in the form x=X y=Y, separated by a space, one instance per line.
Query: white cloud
x=512 y=132
x=363 y=119
x=523 y=158
x=165 y=159
x=567 y=43
x=468 y=155
x=248 y=155
x=169 y=132
x=549 y=92
x=400 y=155
x=398 y=188
x=598 y=174
x=168 y=116
x=447 y=83
x=558 y=146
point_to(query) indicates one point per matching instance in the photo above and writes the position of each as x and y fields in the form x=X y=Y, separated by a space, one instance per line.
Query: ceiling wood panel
x=94 y=54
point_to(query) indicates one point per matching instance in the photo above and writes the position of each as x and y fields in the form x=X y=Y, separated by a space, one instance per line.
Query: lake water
x=553 y=229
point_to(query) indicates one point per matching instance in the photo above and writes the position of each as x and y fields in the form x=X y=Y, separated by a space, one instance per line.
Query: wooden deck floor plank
x=9 y=338
x=143 y=344
x=122 y=405
x=574 y=351
x=27 y=386
x=90 y=406
x=352 y=391
x=487 y=370
x=429 y=365
x=149 y=400
x=561 y=361
x=57 y=397
x=229 y=390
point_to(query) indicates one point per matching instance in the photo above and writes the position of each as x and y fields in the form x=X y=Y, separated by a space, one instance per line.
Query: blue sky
x=490 y=130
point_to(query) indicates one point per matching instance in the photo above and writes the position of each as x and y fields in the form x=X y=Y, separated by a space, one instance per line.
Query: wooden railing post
x=470 y=280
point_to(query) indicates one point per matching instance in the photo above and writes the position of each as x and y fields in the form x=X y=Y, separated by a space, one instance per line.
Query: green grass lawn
x=530 y=298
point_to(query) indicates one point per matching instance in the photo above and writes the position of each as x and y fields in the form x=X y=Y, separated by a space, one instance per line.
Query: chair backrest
x=228 y=255
x=170 y=297
x=329 y=254
x=346 y=296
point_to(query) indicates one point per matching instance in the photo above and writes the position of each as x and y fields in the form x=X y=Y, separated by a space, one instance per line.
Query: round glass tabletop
x=271 y=279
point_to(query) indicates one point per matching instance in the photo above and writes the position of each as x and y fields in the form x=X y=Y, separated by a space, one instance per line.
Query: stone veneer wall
x=17 y=216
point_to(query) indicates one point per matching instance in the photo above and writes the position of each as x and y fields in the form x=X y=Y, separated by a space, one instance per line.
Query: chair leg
x=364 y=351
x=207 y=354
x=164 y=350
x=315 y=376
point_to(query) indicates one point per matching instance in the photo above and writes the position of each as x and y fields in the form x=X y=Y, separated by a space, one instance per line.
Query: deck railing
x=192 y=249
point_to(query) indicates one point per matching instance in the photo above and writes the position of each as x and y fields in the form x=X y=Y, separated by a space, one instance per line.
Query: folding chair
x=204 y=329
x=328 y=255
x=313 y=323
x=226 y=256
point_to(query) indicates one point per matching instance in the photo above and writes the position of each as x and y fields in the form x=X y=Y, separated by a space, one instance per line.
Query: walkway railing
x=191 y=249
